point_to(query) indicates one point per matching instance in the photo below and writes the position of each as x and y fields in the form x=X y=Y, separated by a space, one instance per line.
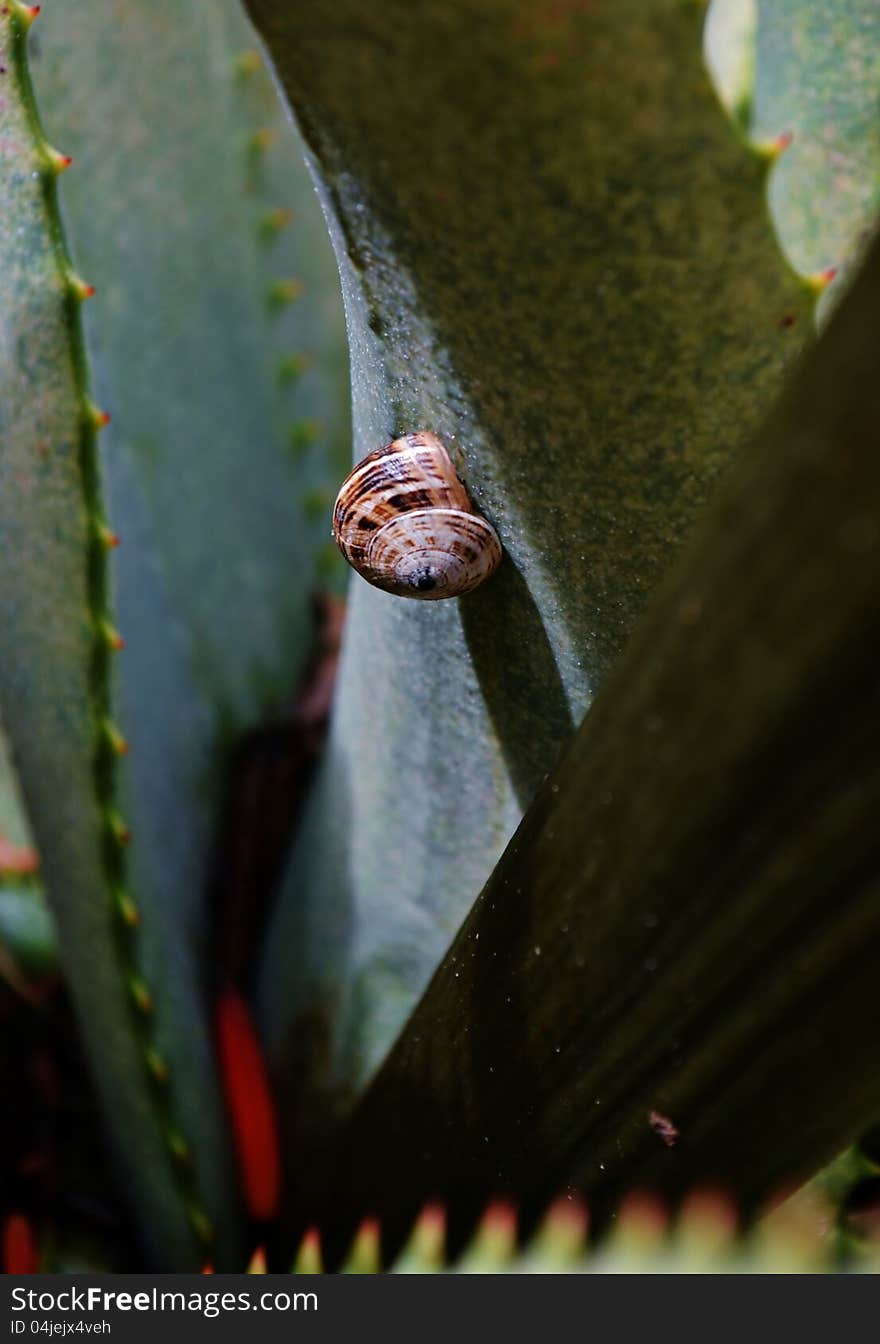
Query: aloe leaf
x=52 y=612
x=28 y=945
x=670 y=978
x=14 y=828
x=206 y=468
x=802 y=78
x=729 y=47
x=189 y=345
x=817 y=72
x=556 y=257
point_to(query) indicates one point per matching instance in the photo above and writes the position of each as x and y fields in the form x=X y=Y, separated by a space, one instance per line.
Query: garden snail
x=403 y=520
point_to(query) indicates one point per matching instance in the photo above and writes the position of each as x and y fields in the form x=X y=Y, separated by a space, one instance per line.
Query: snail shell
x=403 y=520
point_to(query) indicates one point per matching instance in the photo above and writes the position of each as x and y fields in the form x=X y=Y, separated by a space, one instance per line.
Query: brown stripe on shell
x=432 y=553
x=379 y=487
x=404 y=521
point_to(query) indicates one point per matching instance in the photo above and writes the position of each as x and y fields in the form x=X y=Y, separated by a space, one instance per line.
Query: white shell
x=403 y=520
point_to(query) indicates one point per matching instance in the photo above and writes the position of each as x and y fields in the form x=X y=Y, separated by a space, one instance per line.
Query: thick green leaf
x=173 y=208
x=729 y=46
x=14 y=826
x=187 y=345
x=555 y=256
x=52 y=656
x=27 y=933
x=817 y=76
x=808 y=72
x=671 y=977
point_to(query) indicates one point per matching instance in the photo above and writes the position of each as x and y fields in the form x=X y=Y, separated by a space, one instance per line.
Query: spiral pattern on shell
x=403 y=520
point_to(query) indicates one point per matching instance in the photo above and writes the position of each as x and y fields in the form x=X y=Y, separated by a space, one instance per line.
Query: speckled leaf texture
x=817 y=79
x=206 y=467
x=47 y=613
x=14 y=828
x=669 y=981
x=556 y=256
x=808 y=71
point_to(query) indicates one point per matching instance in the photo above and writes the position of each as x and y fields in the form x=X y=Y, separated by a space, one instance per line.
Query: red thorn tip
x=258 y=1261
x=500 y=1217
x=264 y=137
x=643 y=1212
x=33 y=10
x=119 y=828
x=141 y=996
x=433 y=1218
x=64 y=161
x=710 y=1208
x=115 y=738
x=784 y=140
x=365 y=1247
x=113 y=637
x=158 y=1067
x=308 y=1258
x=568 y=1215
x=111 y=540
x=278 y=218
x=102 y=418
x=88 y=291
x=285 y=291
x=129 y=911
x=820 y=280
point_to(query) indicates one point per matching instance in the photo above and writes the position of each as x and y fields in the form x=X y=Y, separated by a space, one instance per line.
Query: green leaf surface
x=174 y=208
x=808 y=72
x=187 y=346
x=729 y=46
x=555 y=256
x=14 y=826
x=817 y=78
x=51 y=601
x=670 y=979
x=27 y=932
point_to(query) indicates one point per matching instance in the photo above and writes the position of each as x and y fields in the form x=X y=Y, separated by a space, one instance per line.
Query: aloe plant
x=591 y=432
x=810 y=102
x=182 y=489
x=556 y=254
